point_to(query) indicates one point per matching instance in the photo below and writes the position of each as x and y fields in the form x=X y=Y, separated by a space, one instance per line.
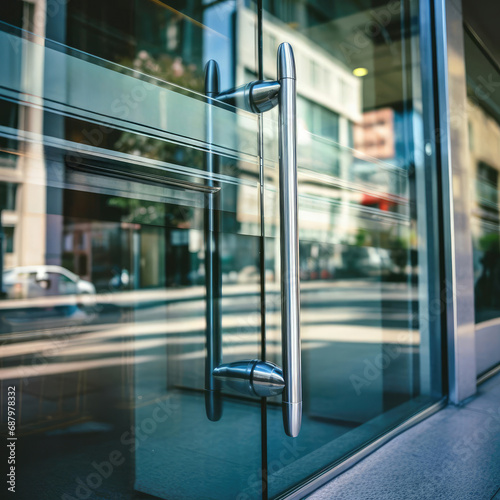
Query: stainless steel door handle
x=257 y=377
x=289 y=242
x=213 y=284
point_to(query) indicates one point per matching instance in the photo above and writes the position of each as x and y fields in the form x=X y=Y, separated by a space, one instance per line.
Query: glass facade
x=141 y=248
x=483 y=112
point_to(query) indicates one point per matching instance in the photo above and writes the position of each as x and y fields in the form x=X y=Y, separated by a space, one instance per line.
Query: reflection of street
x=157 y=337
x=349 y=311
x=136 y=346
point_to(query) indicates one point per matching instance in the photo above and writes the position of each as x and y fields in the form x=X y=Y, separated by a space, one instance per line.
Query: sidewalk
x=455 y=454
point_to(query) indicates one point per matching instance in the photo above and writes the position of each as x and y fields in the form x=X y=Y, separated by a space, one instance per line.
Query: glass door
x=370 y=301
x=132 y=234
x=149 y=258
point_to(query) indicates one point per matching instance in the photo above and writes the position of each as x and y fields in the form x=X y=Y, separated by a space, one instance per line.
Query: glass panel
x=368 y=353
x=483 y=113
x=105 y=196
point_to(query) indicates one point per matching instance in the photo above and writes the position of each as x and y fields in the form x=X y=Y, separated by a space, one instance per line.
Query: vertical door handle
x=289 y=242
x=213 y=278
x=254 y=376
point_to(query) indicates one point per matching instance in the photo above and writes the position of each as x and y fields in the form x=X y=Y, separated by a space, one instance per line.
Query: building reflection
x=80 y=117
x=346 y=132
x=484 y=138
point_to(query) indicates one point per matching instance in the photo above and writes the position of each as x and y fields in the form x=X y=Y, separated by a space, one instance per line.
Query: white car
x=36 y=281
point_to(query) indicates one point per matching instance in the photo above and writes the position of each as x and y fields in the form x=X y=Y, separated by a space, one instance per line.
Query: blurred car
x=367 y=261
x=68 y=299
x=40 y=281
